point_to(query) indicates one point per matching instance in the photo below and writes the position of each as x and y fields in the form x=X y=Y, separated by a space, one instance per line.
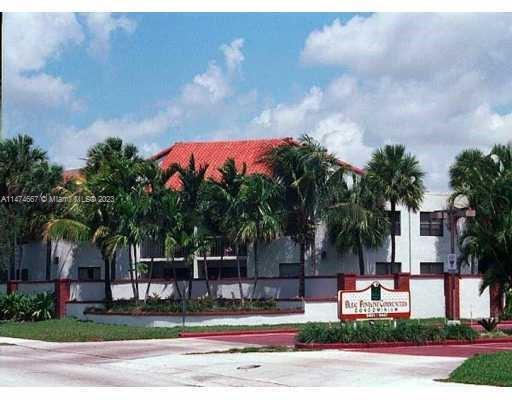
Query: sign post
x=374 y=302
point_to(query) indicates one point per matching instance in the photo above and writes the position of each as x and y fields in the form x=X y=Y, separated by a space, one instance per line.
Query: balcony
x=217 y=248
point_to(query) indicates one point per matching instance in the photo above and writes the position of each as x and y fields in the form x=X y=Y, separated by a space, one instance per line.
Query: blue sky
x=435 y=82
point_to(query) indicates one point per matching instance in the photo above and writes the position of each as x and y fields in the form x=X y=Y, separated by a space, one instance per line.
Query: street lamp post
x=452 y=215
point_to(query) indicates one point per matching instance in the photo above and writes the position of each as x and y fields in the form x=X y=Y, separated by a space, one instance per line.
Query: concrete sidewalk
x=167 y=363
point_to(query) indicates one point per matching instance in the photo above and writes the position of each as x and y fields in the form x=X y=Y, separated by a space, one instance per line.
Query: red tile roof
x=70 y=174
x=216 y=153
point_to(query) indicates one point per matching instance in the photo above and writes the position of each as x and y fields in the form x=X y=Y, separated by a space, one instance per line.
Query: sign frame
x=373 y=316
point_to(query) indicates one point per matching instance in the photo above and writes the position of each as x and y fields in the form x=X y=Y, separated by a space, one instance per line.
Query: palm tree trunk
x=130 y=268
x=150 y=277
x=360 y=253
x=108 y=288
x=20 y=260
x=12 y=256
x=48 y=259
x=242 y=301
x=190 y=280
x=313 y=252
x=221 y=264
x=256 y=272
x=302 y=272
x=113 y=267
x=176 y=279
x=207 y=279
x=136 y=273
x=393 y=245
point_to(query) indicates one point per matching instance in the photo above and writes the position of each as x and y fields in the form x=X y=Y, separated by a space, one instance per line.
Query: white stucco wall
x=427 y=298
x=313 y=312
x=472 y=304
x=87 y=291
x=35 y=287
x=3 y=288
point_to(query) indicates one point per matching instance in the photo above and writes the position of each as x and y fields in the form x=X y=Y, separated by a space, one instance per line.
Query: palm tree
x=112 y=170
x=356 y=218
x=303 y=170
x=397 y=175
x=485 y=181
x=258 y=212
x=25 y=171
x=192 y=180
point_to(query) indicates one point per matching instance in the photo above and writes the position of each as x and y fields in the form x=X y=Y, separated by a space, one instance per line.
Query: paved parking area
x=169 y=363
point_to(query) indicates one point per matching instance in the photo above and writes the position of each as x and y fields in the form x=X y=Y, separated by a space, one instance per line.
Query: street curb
x=236 y=333
x=348 y=346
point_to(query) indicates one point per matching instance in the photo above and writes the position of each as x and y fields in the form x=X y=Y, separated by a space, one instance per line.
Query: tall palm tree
x=112 y=169
x=303 y=170
x=25 y=171
x=258 y=212
x=192 y=180
x=485 y=181
x=356 y=218
x=397 y=175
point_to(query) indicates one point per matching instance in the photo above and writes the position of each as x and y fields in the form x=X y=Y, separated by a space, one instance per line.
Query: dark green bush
x=156 y=304
x=22 y=307
x=460 y=332
x=383 y=331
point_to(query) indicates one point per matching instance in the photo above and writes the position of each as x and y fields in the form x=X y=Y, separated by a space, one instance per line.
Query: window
x=89 y=273
x=23 y=276
x=289 y=270
x=384 y=268
x=430 y=226
x=394 y=217
x=431 y=268
x=3 y=275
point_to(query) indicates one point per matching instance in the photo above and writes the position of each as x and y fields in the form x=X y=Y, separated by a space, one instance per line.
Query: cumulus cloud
x=233 y=54
x=205 y=92
x=101 y=27
x=31 y=41
x=72 y=144
x=436 y=82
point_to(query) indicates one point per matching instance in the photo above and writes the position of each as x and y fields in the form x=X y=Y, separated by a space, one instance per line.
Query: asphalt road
x=169 y=363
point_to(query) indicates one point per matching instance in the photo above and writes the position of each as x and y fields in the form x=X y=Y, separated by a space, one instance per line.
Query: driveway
x=169 y=363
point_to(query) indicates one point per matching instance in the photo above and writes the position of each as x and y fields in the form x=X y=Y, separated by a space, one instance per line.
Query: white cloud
x=206 y=91
x=101 y=27
x=436 y=83
x=72 y=144
x=233 y=54
x=207 y=88
x=31 y=42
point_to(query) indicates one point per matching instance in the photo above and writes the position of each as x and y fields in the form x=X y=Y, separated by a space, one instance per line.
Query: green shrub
x=460 y=332
x=22 y=307
x=382 y=331
x=156 y=304
x=507 y=312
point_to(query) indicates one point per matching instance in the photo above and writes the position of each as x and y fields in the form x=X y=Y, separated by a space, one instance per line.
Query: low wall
x=3 y=288
x=314 y=311
x=427 y=297
x=472 y=304
x=33 y=287
x=87 y=291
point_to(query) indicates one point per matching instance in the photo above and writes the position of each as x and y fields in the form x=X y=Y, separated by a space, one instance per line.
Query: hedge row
x=22 y=307
x=383 y=331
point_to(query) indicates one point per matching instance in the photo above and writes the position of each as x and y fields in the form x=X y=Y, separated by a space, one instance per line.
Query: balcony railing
x=217 y=247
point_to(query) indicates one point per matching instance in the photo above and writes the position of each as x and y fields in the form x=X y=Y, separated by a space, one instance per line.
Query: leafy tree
x=25 y=175
x=397 y=175
x=356 y=218
x=192 y=180
x=112 y=172
x=257 y=209
x=485 y=182
x=303 y=170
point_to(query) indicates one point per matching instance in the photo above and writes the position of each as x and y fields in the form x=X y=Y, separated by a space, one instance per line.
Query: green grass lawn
x=72 y=330
x=485 y=369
